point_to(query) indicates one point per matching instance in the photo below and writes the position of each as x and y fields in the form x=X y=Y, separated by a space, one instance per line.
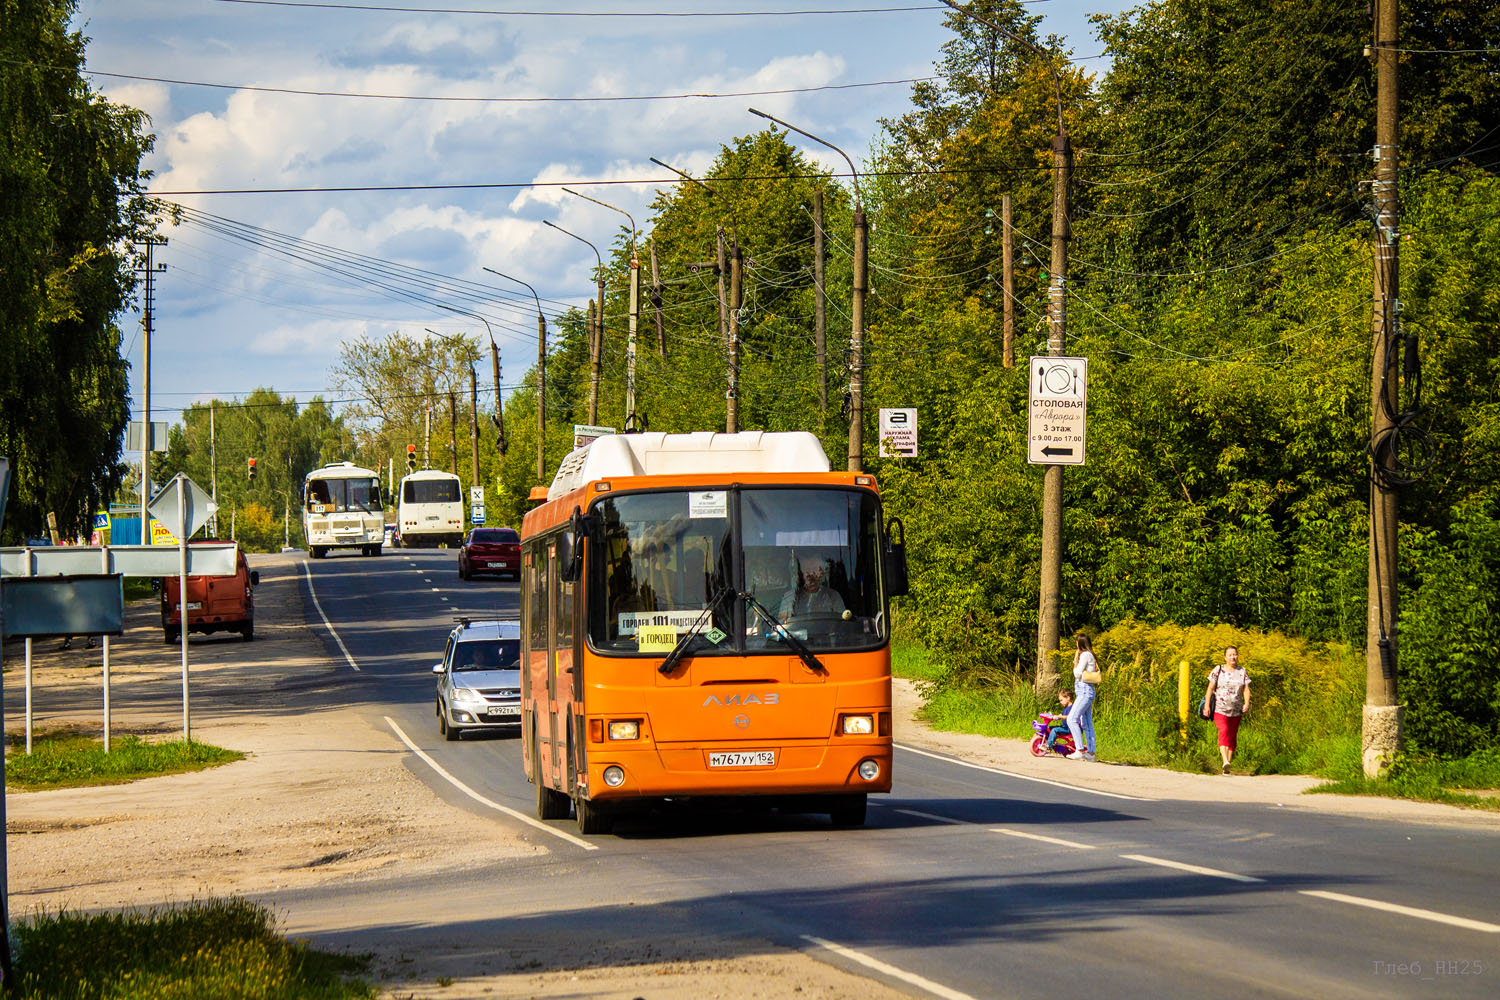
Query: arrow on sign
x=1049 y=450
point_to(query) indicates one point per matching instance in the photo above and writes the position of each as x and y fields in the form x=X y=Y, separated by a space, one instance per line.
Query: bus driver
x=812 y=597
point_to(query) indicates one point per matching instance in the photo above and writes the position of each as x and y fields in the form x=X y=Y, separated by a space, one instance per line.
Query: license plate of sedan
x=503 y=710
x=496 y=565
x=743 y=758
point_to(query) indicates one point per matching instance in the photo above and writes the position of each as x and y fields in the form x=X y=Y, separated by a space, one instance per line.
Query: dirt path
x=324 y=798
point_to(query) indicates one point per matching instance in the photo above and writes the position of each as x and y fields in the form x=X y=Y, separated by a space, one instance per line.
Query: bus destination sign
x=1057 y=424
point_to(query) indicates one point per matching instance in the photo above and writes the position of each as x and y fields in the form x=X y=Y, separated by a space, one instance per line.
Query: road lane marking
x=1406 y=911
x=869 y=962
x=331 y=630
x=507 y=810
x=1046 y=840
x=1023 y=777
x=1146 y=859
x=922 y=815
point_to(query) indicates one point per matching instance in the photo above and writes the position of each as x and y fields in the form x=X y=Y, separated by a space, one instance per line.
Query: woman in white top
x=1086 y=679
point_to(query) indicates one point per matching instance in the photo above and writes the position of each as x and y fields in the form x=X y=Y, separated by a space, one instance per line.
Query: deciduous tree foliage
x=70 y=205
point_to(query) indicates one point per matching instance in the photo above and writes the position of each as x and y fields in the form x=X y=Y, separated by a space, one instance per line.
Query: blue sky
x=230 y=318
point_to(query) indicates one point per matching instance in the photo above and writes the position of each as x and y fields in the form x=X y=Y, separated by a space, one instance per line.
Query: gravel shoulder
x=324 y=798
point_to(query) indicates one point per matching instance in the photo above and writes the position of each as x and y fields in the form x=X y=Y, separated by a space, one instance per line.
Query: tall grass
x=221 y=949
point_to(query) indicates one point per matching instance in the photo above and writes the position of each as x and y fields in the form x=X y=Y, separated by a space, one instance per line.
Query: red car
x=490 y=550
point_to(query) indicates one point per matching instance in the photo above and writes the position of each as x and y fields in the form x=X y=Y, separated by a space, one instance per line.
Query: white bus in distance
x=430 y=510
x=341 y=509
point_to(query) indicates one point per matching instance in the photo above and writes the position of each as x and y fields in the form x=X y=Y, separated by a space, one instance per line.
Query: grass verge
x=207 y=950
x=1315 y=736
x=68 y=760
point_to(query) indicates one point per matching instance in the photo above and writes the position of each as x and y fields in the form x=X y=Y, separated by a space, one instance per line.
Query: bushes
x=1304 y=717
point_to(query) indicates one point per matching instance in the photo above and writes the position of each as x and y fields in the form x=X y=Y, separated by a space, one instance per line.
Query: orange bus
x=707 y=615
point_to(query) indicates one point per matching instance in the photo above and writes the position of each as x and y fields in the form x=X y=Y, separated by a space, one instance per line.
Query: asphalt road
x=966 y=881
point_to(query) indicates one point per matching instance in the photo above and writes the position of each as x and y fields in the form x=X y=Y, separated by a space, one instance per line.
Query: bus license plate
x=743 y=758
x=503 y=710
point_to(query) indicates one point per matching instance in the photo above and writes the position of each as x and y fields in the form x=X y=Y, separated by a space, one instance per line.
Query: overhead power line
x=588 y=99
x=381 y=8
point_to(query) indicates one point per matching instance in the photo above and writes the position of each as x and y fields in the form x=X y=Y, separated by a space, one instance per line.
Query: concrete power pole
x=1008 y=283
x=1049 y=624
x=150 y=243
x=453 y=431
x=500 y=442
x=473 y=427
x=736 y=291
x=661 y=329
x=1382 y=716
x=541 y=395
x=820 y=307
x=635 y=317
x=857 y=340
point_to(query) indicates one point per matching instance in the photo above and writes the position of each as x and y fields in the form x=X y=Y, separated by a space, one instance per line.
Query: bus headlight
x=869 y=770
x=857 y=725
x=629 y=729
x=613 y=776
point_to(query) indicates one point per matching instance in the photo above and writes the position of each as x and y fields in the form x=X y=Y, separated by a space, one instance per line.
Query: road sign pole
x=182 y=597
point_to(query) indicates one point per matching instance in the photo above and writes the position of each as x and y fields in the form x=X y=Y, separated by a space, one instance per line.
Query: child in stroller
x=1051 y=728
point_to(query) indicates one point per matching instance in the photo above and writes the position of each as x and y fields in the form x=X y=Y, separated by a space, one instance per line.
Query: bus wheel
x=850 y=810
x=593 y=818
x=550 y=803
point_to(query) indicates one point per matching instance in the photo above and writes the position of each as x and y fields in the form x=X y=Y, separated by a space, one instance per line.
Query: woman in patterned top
x=1231 y=686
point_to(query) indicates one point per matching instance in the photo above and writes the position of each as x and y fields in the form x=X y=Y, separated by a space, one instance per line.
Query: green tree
x=70 y=206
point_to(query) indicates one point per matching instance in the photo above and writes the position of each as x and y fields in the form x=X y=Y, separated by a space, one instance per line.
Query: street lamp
x=596 y=335
x=541 y=376
x=635 y=306
x=856 y=308
x=730 y=316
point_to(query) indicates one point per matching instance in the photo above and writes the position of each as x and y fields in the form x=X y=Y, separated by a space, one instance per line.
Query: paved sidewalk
x=1284 y=791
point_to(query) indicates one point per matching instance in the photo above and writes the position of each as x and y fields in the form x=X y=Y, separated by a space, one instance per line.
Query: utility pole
x=1382 y=715
x=1008 y=283
x=661 y=330
x=151 y=270
x=541 y=378
x=736 y=290
x=593 y=363
x=452 y=431
x=500 y=442
x=213 y=466
x=427 y=431
x=820 y=307
x=596 y=373
x=721 y=268
x=596 y=316
x=473 y=428
x=635 y=305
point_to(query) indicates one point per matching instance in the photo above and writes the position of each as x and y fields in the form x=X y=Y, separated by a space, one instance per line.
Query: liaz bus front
x=732 y=633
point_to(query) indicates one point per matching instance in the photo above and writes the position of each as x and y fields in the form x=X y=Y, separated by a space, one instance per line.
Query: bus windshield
x=809 y=558
x=332 y=496
x=429 y=491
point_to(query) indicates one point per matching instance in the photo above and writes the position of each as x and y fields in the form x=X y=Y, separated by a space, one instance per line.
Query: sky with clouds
x=238 y=306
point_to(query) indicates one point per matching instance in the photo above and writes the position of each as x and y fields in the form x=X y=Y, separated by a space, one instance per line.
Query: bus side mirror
x=570 y=548
x=255 y=578
x=896 y=582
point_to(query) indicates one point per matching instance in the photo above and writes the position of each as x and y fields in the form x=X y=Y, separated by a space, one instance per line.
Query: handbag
x=1206 y=706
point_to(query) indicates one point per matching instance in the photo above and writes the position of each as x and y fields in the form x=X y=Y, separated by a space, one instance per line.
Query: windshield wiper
x=780 y=631
x=680 y=650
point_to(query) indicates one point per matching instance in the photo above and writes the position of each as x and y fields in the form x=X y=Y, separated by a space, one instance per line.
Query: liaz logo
x=742 y=699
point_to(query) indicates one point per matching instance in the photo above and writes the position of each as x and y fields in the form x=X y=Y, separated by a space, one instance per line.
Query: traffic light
x=250 y=471
x=411 y=458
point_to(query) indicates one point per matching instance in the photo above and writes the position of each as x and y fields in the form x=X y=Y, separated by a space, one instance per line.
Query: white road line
x=1024 y=777
x=512 y=813
x=922 y=815
x=1046 y=840
x=1406 y=911
x=331 y=630
x=920 y=982
x=1146 y=859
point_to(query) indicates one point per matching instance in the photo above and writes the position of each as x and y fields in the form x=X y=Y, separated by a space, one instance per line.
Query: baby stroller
x=1061 y=747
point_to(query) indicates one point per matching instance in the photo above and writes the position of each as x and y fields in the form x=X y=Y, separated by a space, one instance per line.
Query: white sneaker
x=1076 y=755
x=1088 y=755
